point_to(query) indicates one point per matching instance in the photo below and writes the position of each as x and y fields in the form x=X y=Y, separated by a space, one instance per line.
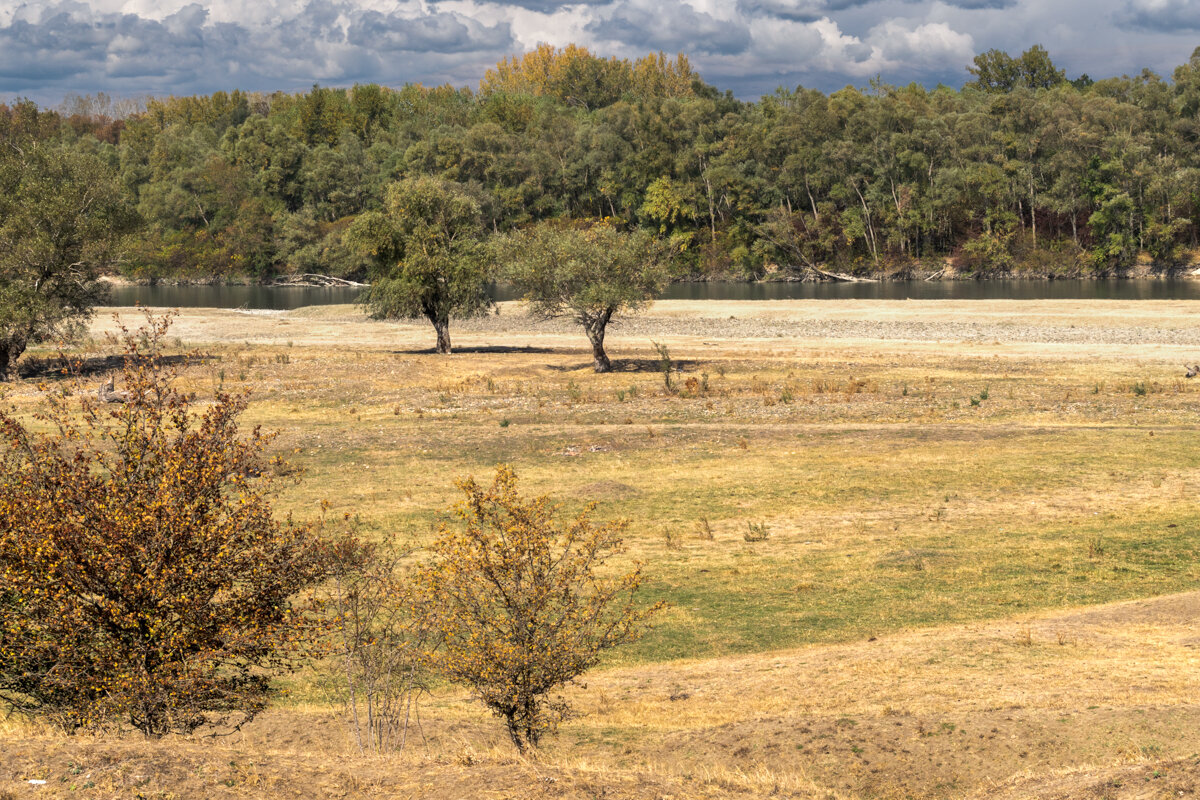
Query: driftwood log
x=107 y=393
x=313 y=279
x=839 y=277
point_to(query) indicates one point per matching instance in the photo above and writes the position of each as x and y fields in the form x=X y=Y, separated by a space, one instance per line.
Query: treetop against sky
x=134 y=47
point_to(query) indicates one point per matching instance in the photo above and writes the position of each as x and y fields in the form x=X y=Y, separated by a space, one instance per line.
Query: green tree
x=589 y=272
x=62 y=218
x=997 y=71
x=427 y=252
x=525 y=602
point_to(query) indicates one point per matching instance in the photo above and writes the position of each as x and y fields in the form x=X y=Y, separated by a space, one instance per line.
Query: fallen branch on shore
x=313 y=279
x=839 y=276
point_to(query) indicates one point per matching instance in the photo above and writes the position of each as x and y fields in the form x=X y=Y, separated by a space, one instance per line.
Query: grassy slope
x=893 y=500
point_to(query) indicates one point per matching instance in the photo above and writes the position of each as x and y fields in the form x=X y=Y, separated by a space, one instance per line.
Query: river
x=289 y=297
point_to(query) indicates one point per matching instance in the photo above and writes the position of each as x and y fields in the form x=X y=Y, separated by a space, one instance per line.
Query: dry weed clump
x=757 y=532
x=380 y=647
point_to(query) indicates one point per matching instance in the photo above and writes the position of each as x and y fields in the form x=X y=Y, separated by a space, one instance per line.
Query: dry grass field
x=978 y=582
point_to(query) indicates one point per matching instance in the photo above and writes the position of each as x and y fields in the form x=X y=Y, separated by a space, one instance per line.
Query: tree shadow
x=484 y=349
x=634 y=365
x=67 y=367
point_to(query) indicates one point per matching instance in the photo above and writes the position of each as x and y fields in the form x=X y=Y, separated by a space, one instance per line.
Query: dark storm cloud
x=51 y=47
x=1165 y=16
x=810 y=10
x=669 y=25
x=65 y=43
x=980 y=4
x=550 y=6
x=801 y=10
x=443 y=33
x=74 y=47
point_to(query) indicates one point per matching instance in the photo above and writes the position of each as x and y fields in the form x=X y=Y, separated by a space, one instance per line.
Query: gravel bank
x=888 y=330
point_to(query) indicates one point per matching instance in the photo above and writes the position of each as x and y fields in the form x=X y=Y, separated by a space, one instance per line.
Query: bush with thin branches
x=381 y=649
x=143 y=576
x=524 y=603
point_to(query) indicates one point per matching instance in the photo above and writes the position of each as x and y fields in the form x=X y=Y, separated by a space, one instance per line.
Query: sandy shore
x=1132 y=328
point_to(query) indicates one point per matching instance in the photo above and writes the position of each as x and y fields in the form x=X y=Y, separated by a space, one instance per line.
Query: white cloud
x=931 y=45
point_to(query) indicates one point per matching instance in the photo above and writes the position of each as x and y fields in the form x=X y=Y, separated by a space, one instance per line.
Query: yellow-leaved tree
x=524 y=603
x=143 y=576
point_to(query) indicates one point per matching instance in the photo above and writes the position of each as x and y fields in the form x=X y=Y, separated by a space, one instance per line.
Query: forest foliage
x=1020 y=169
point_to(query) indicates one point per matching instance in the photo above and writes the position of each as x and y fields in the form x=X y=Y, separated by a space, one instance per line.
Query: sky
x=50 y=49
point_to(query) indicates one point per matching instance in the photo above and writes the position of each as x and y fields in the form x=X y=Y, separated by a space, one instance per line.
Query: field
x=978 y=581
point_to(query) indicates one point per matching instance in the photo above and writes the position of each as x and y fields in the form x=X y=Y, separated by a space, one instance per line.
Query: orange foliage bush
x=522 y=603
x=143 y=577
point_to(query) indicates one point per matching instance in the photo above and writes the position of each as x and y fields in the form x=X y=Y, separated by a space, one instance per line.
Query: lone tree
x=62 y=216
x=524 y=602
x=587 y=271
x=997 y=71
x=143 y=576
x=427 y=252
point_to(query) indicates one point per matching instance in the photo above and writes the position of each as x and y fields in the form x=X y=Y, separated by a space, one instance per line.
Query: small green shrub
x=757 y=532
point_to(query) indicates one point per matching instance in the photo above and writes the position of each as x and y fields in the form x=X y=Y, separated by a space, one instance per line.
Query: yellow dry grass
x=941 y=515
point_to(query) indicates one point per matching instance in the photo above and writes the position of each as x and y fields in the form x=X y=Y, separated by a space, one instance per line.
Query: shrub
x=381 y=649
x=756 y=532
x=524 y=603
x=665 y=365
x=144 y=576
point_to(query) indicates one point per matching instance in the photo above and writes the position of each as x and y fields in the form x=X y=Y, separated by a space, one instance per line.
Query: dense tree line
x=1021 y=169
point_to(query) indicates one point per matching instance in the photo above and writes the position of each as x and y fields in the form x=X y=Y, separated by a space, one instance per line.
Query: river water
x=289 y=297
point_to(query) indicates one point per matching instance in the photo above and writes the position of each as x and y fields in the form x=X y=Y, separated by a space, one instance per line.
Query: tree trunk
x=10 y=351
x=595 y=333
x=442 y=326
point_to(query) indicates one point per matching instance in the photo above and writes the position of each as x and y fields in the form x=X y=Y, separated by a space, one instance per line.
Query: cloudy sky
x=50 y=48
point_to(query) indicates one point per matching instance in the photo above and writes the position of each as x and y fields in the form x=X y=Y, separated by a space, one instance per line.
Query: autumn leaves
x=145 y=581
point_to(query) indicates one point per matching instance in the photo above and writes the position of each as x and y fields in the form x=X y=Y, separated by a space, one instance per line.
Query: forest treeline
x=1020 y=171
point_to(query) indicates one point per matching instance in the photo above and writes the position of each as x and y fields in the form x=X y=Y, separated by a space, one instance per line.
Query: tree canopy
x=997 y=71
x=62 y=216
x=1022 y=169
x=590 y=272
x=427 y=253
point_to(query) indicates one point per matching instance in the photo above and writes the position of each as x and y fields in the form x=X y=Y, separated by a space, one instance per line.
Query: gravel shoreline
x=886 y=330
